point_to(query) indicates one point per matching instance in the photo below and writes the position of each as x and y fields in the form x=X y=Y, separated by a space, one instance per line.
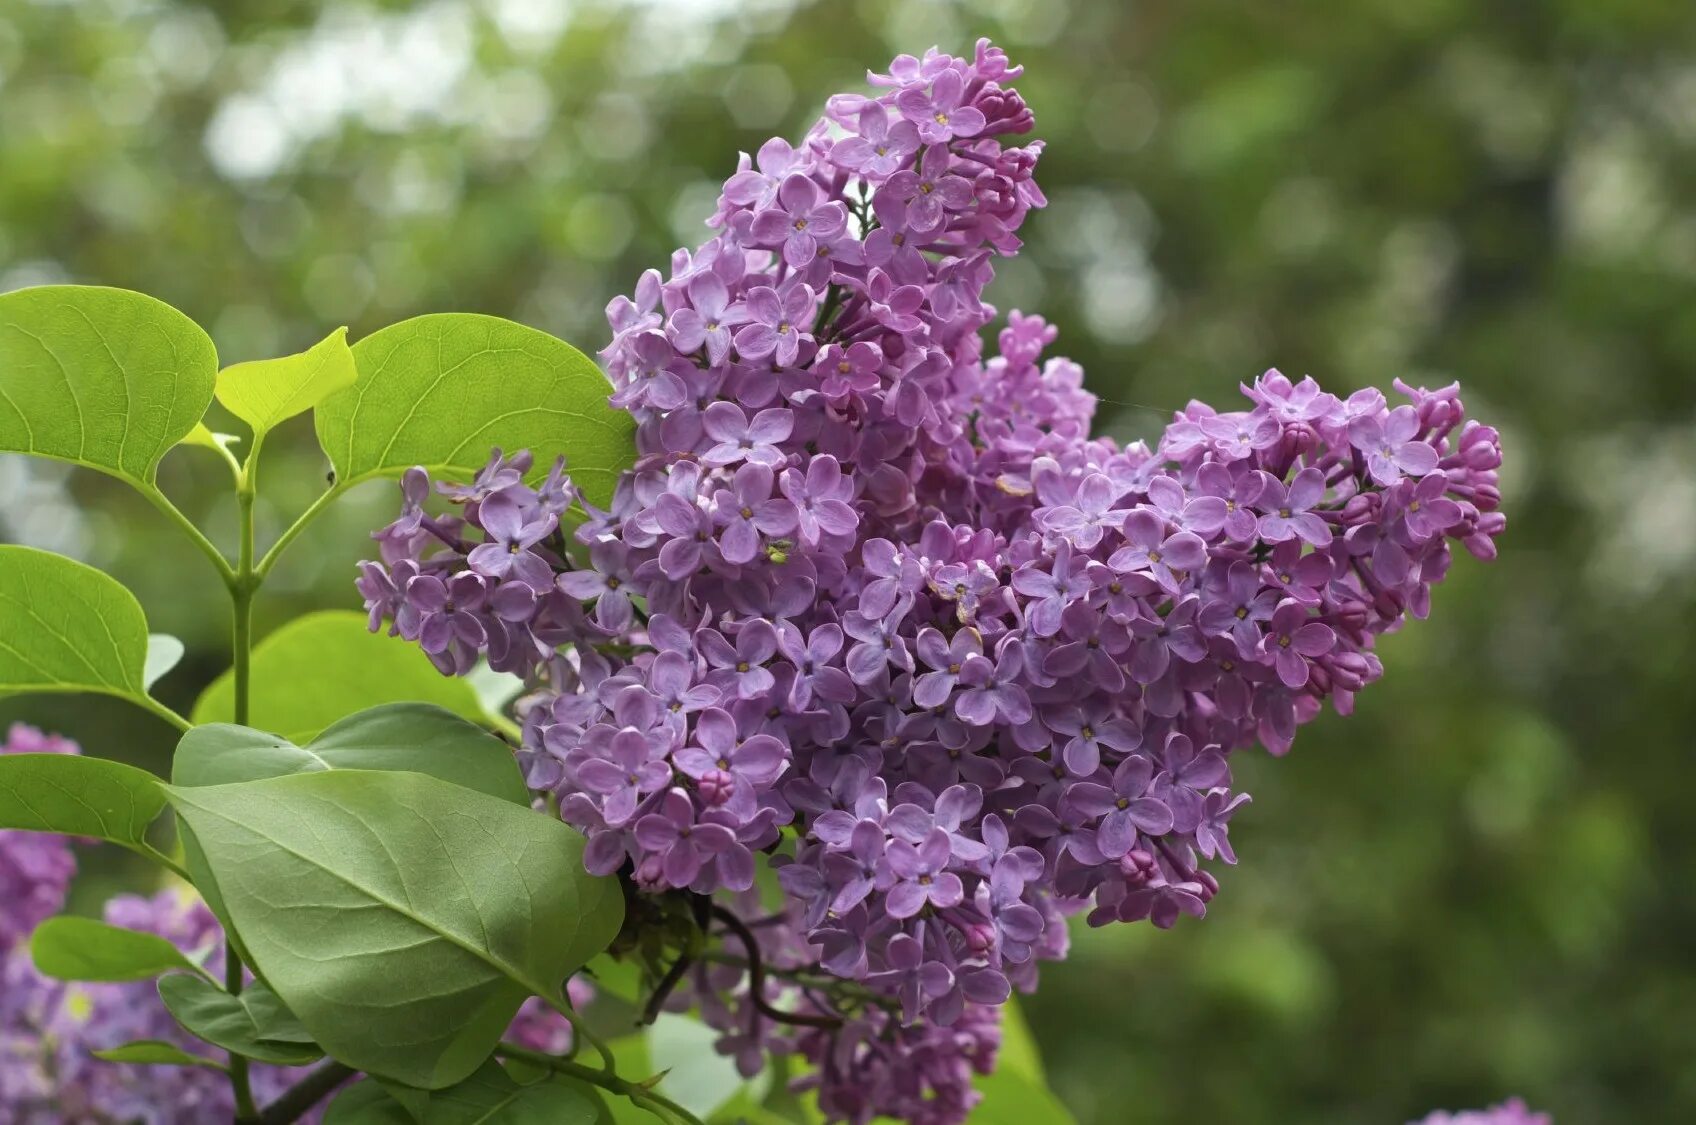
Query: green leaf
x=418 y=737
x=403 y=919
x=324 y=666
x=100 y=377
x=1019 y=1052
x=697 y=1077
x=79 y=796
x=65 y=626
x=203 y=436
x=164 y=652
x=83 y=949
x=268 y=391
x=441 y=390
x=156 y=1052
x=1012 y=1099
x=491 y=1096
x=255 y=1024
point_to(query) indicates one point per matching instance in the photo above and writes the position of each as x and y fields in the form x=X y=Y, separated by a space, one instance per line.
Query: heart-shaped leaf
x=255 y=1024
x=264 y=392
x=78 y=796
x=67 y=627
x=322 y=667
x=403 y=919
x=418 y=737
x=442 y=390
x=83 y=949
x=101 y=377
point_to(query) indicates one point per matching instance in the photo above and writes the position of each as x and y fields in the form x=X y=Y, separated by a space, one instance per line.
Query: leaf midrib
x=509 y=971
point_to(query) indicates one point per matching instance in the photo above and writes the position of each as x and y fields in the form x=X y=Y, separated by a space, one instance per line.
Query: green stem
x=654 y=1102
x=243 y=585
x=148 y=703
x=312 y=512
x=581 y=1033
x=174 y=514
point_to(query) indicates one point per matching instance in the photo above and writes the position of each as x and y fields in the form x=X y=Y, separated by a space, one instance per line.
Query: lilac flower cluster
x=876 y=594
x=1511 y=1112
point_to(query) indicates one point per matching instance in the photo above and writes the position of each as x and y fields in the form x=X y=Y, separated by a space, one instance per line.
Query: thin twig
x=663 y=990
x=757 y=978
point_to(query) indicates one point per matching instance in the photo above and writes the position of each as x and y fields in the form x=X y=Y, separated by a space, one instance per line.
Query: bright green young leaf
x=255 y=1024
x=403 y=919
x=491 y=1096
x=101 y=377
x=164 y=652
x=322 y=667
x=65 y=626
x=441 y=390
x=203 y=436
x=156 y=1052
x=79 y=796
x=418 y=737
x=697 y=1077
x=83 y=949
x=264 y=392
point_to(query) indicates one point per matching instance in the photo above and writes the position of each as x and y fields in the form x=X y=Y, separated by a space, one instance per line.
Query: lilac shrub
x=876 y=604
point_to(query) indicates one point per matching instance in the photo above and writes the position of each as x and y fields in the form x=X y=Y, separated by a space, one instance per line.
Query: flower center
x=741 y=665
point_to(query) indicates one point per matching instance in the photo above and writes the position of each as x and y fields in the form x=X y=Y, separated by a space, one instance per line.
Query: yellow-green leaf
x=264 y=392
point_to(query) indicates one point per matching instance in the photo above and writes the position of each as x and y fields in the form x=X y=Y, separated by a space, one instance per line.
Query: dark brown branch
x=666 y=986
x=757 y=978
x=303 y=1095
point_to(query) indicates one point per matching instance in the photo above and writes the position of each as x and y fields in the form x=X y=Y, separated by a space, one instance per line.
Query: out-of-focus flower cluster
x=876 y=589
x=1511 y=1112
x=50 y=1030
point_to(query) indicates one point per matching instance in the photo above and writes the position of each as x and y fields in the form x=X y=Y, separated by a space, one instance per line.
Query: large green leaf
x=100 y=377
x=255 y=1024
x=79 y=796
x=264 y=392
x=491 y=1096
x=65 y=626
x=441 y=390
x=325 y=666
x=403 y=919
x=83 y=949
x=418 y=737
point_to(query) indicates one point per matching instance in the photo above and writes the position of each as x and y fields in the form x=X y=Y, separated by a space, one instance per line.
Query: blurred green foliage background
x=1481 y=884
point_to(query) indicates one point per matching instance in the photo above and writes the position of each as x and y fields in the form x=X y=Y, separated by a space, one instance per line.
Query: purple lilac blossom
x=860 y=564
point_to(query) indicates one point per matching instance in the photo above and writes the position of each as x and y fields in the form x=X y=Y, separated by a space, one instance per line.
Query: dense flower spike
x=876 y=593
x=1511 y=1112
